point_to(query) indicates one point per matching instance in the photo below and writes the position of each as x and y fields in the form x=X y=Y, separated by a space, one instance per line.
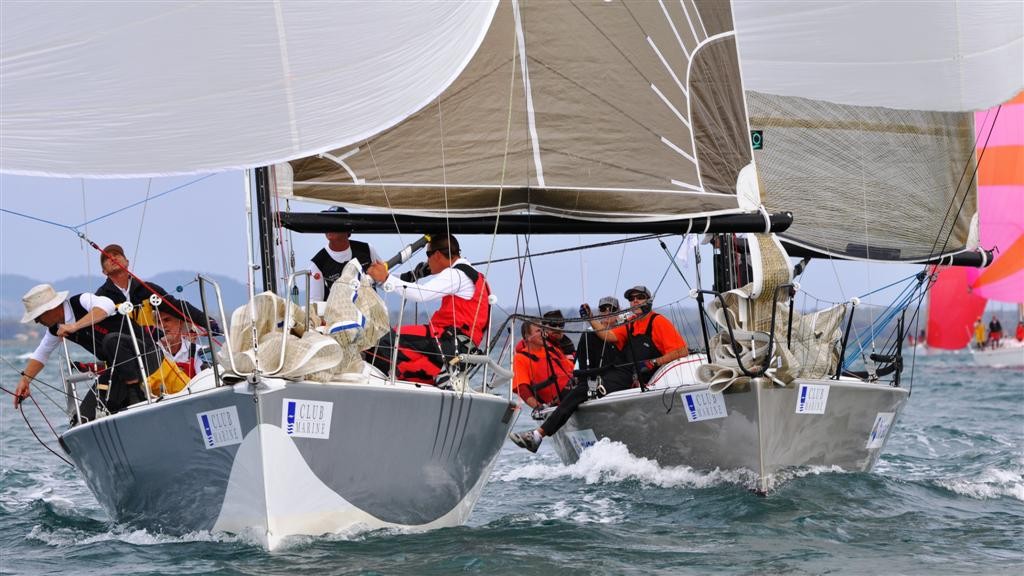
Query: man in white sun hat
x=89 y=321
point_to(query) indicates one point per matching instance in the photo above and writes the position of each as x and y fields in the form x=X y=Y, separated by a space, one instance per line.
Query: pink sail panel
x=1002 y=280
x=952 y=309
x=1009 y=124
x=1001 y=200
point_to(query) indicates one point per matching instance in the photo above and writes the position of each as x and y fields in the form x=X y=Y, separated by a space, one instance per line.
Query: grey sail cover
x=592 y=110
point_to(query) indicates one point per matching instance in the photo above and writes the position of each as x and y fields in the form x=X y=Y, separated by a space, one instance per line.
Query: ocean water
x=947 y=497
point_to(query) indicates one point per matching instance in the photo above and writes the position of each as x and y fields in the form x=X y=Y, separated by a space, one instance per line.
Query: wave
x=611 y=462
x=66 y=537
x=989 y=483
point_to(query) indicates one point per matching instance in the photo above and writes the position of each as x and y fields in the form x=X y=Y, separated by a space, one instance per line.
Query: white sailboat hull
x=294 y=458
x=760 y=427
x=1009 y=353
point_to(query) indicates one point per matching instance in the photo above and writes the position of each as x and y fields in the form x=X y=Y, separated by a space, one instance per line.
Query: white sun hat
x=40 y=299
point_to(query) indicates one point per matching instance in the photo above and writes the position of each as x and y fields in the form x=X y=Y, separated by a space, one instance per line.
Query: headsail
x=594 y=110
x=864 y=111
x=1001 y=200
x=959 y=295
x=113 y=89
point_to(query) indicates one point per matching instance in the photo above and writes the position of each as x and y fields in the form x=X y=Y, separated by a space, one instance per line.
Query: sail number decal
x=812 y=399
x=306 y=418
x=581 y=440
x=220 y=427
x=880 y=430
x=704 y=406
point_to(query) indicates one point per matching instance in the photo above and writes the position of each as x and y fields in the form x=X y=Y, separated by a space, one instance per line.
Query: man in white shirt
x=329 y=262
x=461 y=319
x=89 y=321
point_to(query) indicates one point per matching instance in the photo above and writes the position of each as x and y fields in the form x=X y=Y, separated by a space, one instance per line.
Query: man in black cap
x=555 y=322
x=329 y=262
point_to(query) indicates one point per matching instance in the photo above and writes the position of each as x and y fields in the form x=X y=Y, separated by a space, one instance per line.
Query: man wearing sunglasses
x=458 y=324
x=592 y=351
x=647 y=342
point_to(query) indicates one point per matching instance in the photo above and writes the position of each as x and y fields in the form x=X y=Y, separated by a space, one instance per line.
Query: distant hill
x=14 y=286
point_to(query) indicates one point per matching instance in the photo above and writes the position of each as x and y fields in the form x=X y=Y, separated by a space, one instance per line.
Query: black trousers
x=119 y=354
x=569 y=403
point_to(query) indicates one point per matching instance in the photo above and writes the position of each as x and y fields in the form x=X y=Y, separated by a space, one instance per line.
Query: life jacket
x=550 y=372
x=91 y=338
x=468 y=317
x=593 y=352
x=169 y=378
x=332 y=269
x=173 y=376
x=138 y=294
x=640 y=347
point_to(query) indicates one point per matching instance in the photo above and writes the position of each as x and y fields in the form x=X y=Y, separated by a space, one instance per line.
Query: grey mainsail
x=601 y=111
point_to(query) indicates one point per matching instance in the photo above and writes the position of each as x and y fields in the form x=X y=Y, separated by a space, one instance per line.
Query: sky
x=198 y=223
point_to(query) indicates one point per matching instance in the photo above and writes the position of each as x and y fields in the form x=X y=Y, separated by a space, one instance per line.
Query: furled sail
x=592 y=110
x=108 y=89
x=863 y=109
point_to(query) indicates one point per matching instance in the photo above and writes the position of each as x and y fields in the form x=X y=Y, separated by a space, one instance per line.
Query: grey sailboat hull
x=294 y=458
x=759 y=427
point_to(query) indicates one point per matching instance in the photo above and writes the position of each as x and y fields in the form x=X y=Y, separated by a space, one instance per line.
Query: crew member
x=555 y=324
x=979 y=333
x=181 y=357
x=543 y=376
x=593 y=353
x=995 y=331
x=87 y=320
x=647 y=342
x=120 y=287
x=329 y=262
x=460 y=320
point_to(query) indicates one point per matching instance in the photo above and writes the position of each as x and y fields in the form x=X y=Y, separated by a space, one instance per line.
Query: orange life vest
x=550 y=371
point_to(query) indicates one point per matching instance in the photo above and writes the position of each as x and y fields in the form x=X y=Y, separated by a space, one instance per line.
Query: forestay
x=111 y=89
x=594 y=110
x=864 y=109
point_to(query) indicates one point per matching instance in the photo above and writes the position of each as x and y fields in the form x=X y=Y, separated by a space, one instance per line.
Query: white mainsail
x=116 y=89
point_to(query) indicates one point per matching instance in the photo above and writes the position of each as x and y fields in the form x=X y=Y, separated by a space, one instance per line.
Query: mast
x=265 y=218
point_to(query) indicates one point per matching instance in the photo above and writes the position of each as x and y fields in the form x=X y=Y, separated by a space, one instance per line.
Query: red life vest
x=188 y=368
x=469 y=317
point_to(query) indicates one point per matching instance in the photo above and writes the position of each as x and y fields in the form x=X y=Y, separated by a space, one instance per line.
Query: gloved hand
x=422 y=270
x=536 y=414
x=584 y=310
x=647 y=367
x=94 y=367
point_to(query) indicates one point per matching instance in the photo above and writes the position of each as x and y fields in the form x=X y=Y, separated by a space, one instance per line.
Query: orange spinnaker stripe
x=1002 y=166
x=1009 y=263
x=1018 y=99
